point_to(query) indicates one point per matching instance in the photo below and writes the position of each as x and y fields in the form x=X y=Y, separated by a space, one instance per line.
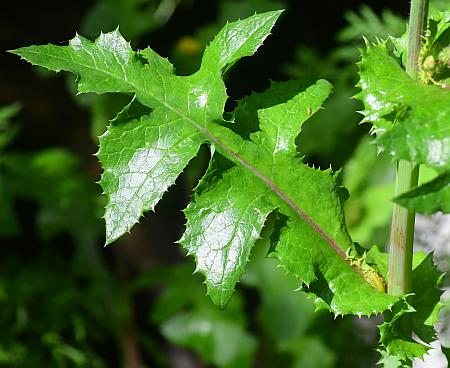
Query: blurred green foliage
x=44 y=315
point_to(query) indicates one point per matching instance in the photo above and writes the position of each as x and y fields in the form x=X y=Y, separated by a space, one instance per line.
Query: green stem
x=402 y=227
x=417 y=21
x=402 y=233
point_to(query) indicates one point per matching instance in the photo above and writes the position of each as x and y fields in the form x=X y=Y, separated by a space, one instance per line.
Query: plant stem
x=402 y=226
x=417 y=20
x=402 y=233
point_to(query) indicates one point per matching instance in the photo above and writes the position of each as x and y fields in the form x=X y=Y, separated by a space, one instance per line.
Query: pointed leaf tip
x=237 y=40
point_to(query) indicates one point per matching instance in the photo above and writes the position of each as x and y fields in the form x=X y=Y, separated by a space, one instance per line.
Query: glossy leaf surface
x=151 y=141
x=110 y=65
x=421 y=132
x=411 y=119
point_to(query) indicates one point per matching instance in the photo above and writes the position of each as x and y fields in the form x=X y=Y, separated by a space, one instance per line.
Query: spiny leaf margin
x=312 y=199
x=411 y=120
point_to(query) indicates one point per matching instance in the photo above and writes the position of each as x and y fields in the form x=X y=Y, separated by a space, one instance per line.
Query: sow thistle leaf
x=152 y=140
x=421 y=310
x=421 y=132
x=142 y=160
x=411 y=120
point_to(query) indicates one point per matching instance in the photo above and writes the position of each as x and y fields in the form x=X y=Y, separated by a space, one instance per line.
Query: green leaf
x=412 y=120
x=427 y=280
x=238 y=39
x=133 y=164
x=142 y=155
x=434 y=55
x=446 y=352
x=438 y=29
x=421 y=310
x=390 y=361
x=226 y=218
x=429 y=198
x=141 y=159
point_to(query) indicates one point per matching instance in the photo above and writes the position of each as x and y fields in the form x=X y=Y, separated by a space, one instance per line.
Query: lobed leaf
x=135 y=158
x=141 y=159
x=151 y=141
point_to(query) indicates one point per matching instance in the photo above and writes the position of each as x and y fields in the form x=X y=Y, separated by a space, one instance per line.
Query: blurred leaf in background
x=51 y=315
x=187 y=318
x=9 y=225
x=369 y=177
x=134 y=17
x=328 y=136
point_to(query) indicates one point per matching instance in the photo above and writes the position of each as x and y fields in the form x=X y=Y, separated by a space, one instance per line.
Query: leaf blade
x=141 y=159
x=430 y=197
x=246 y=36
x=421 y=112
x=187 y=111
x=223 y=224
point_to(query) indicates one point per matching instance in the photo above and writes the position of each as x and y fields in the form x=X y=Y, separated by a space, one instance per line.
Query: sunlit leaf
x=142 y=155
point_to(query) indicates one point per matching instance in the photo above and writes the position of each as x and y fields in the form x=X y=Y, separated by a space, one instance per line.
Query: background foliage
x=66 y=301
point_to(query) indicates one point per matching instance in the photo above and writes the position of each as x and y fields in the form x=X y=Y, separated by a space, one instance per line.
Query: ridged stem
x=402 y=233
x=402 y=227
